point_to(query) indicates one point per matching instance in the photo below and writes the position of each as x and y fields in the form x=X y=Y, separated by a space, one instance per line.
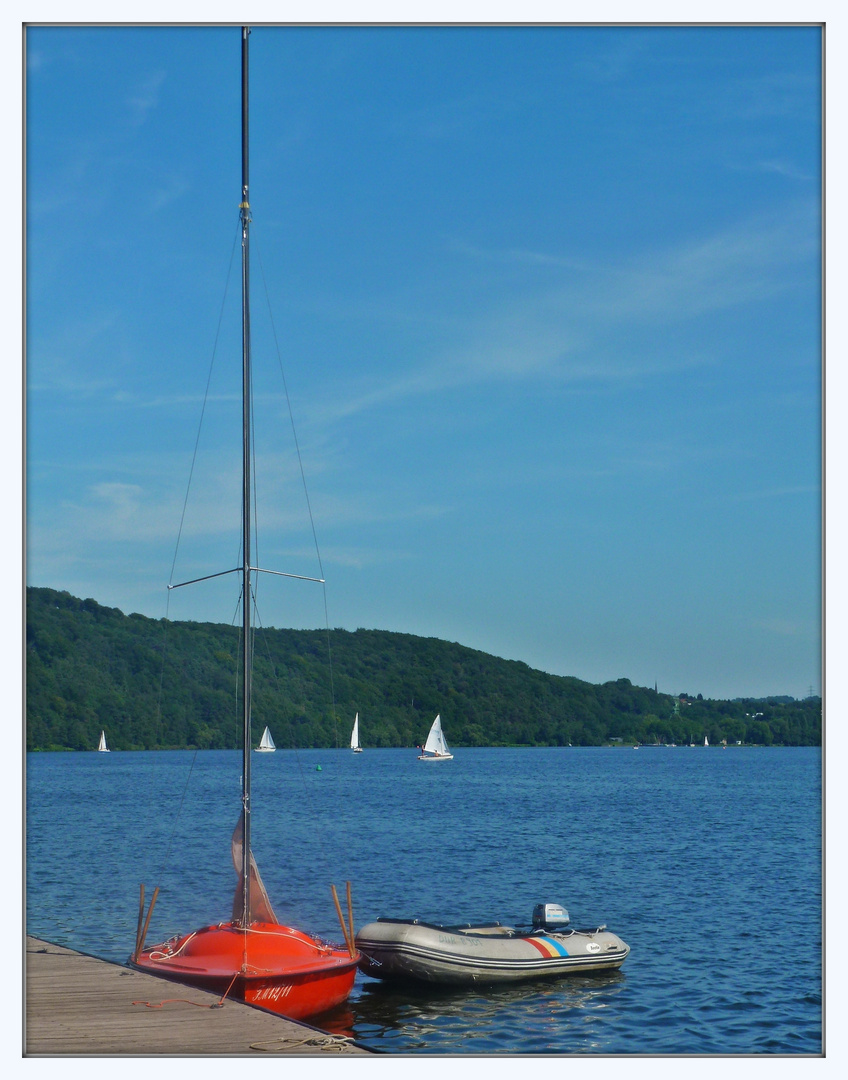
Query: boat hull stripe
x=547 y=946
x=383 y=953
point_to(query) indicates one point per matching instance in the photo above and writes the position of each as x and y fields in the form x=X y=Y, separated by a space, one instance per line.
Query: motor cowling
x=550 y=917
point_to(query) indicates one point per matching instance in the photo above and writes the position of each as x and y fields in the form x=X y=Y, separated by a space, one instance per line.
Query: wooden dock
x=77 y=1005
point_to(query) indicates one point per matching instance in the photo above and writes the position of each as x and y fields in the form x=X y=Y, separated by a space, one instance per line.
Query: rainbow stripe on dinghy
x=548 y=947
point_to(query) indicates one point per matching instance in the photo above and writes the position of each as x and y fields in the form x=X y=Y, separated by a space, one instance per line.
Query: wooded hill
x=156 y=684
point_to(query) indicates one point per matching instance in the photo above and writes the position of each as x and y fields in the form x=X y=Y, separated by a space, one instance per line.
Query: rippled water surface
x=706 y=861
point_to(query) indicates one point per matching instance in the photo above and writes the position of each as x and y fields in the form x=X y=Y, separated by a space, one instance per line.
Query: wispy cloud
x=143 y=500
x=167 y=191
x=146 y=96
x=778 y=492
x=783 y=94
x=614 y=61
x=753 y=261
x=64 y=364
x=447 y=120
x=573 y=322
x=119 y=511
x=784 y=628
x=784 y=168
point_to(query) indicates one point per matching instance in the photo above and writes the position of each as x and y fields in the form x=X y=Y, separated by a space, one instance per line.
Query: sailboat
x=354 y=737
x=706 y=741
x=266 y=743
x=101 y=746
x=252 y=957
x=436 y=747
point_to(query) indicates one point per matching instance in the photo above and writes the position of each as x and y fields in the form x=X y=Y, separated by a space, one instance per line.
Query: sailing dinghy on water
x=252 y=957
x=354 y=737
x=101 y=746
x=266 y=743
x=436 y=747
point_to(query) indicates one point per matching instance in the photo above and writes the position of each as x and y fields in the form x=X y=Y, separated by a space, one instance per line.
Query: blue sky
x=548 y=305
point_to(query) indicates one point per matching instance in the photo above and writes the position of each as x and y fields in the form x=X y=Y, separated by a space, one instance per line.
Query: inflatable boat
x=486 y=953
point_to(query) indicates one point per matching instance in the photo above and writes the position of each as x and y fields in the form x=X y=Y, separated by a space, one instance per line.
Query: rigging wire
x=255 y=533
x=203 y=407
x=307 y=793
x=291 y=413
x=166 y=620
x=305 y=491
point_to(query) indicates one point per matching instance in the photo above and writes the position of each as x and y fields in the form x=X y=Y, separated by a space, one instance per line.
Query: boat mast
x=247 y=648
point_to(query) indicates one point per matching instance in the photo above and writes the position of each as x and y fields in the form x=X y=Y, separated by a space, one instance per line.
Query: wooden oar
x=348 y=942
x=147 y=921
x=140 y=921
x=351 y=943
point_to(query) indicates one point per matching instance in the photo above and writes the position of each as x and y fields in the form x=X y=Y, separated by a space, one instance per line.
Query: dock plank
x=78 y=1005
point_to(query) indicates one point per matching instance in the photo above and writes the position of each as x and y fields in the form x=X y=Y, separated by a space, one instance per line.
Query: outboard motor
x=550 y=917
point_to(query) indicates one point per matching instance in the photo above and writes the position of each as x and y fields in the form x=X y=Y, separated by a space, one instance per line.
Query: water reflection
x=554 y=1016
x=338 y=1021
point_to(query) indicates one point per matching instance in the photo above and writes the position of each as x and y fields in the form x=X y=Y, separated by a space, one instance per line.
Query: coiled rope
x=335 y=1043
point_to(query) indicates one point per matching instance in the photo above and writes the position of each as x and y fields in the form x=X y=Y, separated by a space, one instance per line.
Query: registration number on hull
x=272 y=993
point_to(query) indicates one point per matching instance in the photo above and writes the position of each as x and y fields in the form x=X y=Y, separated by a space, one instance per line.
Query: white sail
x=266 y=743
x=354 y=737
x=706 y=741
x=101 y=746
x=436 y=746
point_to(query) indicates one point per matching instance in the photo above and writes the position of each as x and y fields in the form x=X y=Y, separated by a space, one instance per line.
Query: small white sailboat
x=266 y=743
x=101 y=746
x=354 y=737
x=436 y=747
x=706 y=741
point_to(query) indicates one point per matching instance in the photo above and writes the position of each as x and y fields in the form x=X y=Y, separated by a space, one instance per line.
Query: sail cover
x=260 y=905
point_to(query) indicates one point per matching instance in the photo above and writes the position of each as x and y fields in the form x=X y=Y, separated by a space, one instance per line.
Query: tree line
x=159 y=684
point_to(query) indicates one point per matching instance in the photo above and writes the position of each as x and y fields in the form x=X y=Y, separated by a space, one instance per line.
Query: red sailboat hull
x=276 y=967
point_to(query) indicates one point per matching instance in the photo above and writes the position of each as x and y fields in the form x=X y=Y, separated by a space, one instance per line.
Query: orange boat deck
x=280 y=967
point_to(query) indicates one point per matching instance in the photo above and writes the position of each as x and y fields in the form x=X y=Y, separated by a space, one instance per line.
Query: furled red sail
x=260 y=905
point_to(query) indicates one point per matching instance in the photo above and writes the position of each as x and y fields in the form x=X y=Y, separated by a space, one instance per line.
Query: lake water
x=707 y=862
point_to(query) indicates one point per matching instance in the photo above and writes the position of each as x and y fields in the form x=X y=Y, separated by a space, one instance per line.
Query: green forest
x=158 y=684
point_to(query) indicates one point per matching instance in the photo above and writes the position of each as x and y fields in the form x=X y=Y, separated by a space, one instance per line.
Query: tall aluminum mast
x=247 y=647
